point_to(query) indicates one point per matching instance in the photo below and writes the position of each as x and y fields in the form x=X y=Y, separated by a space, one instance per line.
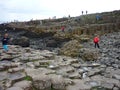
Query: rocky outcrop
x=62 y=37
x=23 y=41
x=71 y=48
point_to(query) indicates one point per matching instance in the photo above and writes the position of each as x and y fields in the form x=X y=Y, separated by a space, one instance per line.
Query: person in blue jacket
x=5 y=41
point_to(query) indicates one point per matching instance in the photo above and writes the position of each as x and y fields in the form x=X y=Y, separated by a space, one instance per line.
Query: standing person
x=82 y=12
x=5 y=41
x=96 y=41
x=63 y=28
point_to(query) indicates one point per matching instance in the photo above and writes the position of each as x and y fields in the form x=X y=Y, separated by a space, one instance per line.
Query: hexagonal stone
x=15 y=88
x=26 y=85
x=94 y=72
x=42 y=82
x=14 y=77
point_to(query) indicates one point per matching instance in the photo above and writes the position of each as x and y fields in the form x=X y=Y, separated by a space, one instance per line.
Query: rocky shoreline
x=31 y=69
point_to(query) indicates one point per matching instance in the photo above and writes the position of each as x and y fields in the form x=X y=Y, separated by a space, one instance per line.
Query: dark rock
x=51 y=43
x=31 y=34
x=23 y=41
x=117 y=44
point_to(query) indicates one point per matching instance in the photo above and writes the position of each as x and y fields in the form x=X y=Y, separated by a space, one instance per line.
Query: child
x=96 y=41
x=5 y=41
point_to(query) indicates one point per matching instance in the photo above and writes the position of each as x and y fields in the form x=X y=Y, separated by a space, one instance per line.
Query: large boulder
x=23 y=41
x=71 y=48
x=51 y=43
x=89 y=54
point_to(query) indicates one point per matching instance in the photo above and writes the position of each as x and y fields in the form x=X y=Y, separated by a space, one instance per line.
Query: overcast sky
x=24 y=10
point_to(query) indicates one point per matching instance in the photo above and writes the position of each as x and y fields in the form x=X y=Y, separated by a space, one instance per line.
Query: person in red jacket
x=96 y=41
x=63 y=28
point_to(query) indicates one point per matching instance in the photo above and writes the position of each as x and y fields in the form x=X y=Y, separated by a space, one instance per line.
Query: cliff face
x=86 y=24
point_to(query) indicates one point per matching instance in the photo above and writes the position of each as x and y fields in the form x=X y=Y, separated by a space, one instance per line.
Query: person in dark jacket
x=5 y=41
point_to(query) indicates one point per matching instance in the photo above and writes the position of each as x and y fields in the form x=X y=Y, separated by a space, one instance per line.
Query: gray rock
x=15 y=69
x=79 y=85
x=89 y=54
x=76 y=65
x=6 y=57
x=26 y=85
x=116 y=76
x=112 y=81
x=67 y=69
x=1 y=88
x=116 y=88
x=30 y=64
x=74 y=75
x=15 y=88
x=39 y=71
x=3 y=75
x=44 y=63
x=58 y=82
x=81 y=71
x=14 y=77
x=2 y=68
x=47 y=54
x=94 y=72
x=107 y=85
x=42 y=82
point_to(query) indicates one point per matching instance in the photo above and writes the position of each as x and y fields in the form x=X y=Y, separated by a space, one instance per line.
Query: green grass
x=28 y=78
